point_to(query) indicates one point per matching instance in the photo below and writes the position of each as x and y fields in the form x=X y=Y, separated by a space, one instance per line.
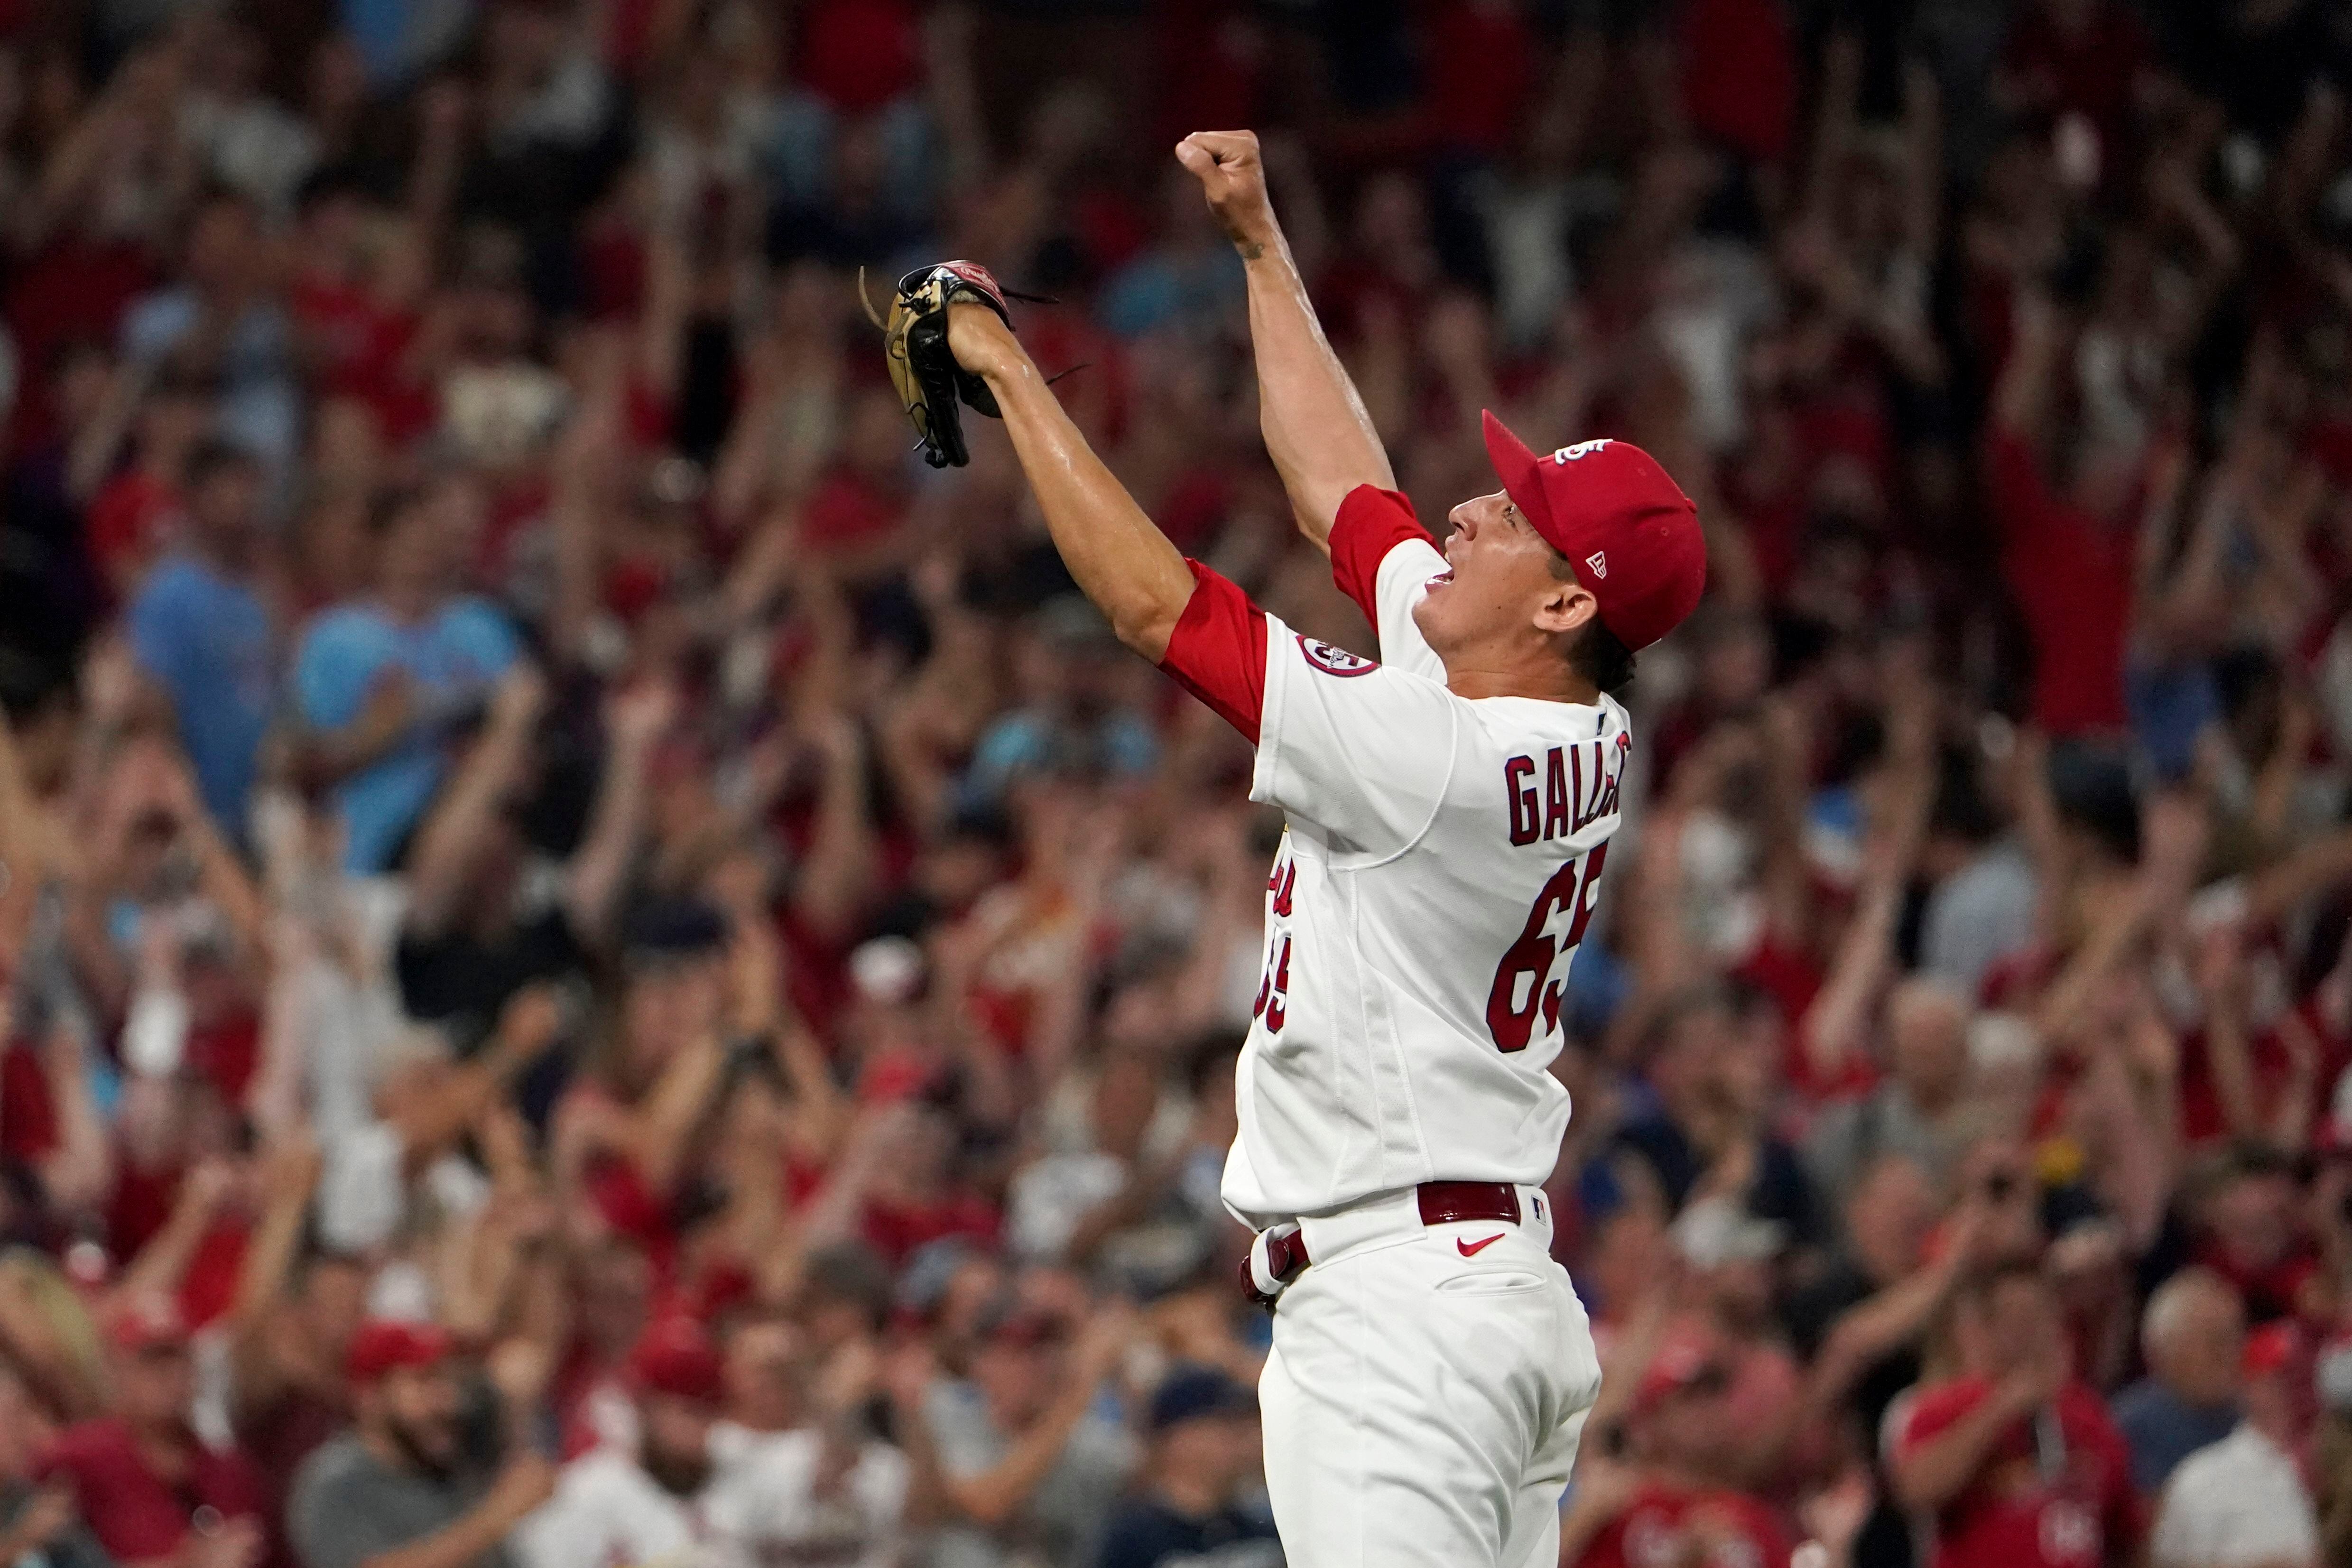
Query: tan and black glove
x=915 y=338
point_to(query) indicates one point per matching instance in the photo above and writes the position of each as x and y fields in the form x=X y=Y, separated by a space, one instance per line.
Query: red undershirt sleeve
x=1217 y=651
x=1370 y=523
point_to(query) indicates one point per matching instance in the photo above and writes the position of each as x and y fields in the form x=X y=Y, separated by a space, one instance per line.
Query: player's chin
x=1429 y=615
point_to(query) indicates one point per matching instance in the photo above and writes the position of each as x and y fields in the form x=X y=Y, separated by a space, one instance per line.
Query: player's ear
x=1566 y=605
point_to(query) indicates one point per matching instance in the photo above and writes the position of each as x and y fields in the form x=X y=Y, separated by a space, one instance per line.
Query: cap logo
x=1568 y=454
x=1598 y=562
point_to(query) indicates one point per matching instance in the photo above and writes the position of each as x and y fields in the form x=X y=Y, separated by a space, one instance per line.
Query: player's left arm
x=1317 y=430
x=1121 y=560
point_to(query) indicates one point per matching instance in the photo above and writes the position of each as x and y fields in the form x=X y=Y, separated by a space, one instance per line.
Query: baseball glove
x=915 y=338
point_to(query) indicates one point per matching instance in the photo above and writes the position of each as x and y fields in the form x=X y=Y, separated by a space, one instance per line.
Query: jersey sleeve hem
x=1370 y=523
x=1218 y=651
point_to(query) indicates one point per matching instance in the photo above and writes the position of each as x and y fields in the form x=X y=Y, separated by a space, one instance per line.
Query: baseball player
x=1450 y=809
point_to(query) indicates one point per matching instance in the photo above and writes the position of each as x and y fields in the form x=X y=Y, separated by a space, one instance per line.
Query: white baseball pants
x=1425 y=1393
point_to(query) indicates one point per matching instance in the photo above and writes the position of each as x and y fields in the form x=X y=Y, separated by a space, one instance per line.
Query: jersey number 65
x=1523 y=983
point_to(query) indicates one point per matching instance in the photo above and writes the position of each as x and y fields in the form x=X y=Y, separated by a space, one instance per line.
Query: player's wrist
x=982 y=344
x=1259 y=243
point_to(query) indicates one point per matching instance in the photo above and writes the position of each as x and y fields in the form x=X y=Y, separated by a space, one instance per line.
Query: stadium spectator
x=1668 y=1498
x=691 y=1488
x=37 y=1523
x=202 y=634
x=1019 y=1449
x=1204 y=1449
x=151 y=1488
x=2192 y=1337
x=407 y=1484
x=2242 y=1500
x=384 y=682
x=2014 y=1460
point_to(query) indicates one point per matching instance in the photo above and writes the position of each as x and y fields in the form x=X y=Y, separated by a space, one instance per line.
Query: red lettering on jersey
x=1556 y=794
x=1273 y=991
x=1608 y=801
x=1588 y=897
x=1279 y=991
x=1282 y=884
x=1523 y=800
x=1529 y=960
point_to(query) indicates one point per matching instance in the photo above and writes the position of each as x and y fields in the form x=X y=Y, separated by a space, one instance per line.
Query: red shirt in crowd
x=848 y=511
x=2012 y=1515
x=1665 y=1521
x=142 y=1203
x=28 y=1117
x=1739 y=75
x=136 y=1514
x=129 y=520
x=76 y=287
x=1481 y=69
x=858 y=55
x=2073 y=576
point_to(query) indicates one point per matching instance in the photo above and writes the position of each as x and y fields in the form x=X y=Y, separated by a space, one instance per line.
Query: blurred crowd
x=599 y=968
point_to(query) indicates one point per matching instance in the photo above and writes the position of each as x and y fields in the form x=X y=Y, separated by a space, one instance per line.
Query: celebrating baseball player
x=1450 y=809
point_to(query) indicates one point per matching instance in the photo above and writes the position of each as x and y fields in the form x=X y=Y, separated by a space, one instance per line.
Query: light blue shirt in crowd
x=453 y=657
x=204 y=638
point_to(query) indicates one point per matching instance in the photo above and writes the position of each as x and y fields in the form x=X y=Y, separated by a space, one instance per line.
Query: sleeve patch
x=1332 y=660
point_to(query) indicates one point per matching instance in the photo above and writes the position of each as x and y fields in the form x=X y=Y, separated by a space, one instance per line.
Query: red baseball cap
x=386 y=1344
x=1627 y=528
x=1685 y=1359
x=675 y=1357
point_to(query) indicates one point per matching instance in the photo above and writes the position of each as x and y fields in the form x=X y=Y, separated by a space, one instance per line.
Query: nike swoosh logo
x=1472 y=1248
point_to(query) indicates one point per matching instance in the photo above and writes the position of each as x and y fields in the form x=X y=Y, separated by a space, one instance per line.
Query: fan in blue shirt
x=201 y=635
x=385 y=683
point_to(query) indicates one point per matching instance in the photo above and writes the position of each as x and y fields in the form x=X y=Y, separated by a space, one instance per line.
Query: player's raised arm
x=950 y=345
x=1317 y=431
x=1118 y=557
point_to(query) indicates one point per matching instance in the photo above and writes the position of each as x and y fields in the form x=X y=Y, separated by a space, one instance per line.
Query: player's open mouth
x=1442 y=578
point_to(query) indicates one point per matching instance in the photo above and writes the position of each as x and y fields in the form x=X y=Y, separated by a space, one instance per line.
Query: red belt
x=1442 y=1203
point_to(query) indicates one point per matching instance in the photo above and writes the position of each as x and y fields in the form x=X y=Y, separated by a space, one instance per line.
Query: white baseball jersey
x=1441 y=862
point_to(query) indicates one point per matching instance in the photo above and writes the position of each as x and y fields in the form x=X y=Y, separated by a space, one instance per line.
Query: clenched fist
x=1233 y=177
